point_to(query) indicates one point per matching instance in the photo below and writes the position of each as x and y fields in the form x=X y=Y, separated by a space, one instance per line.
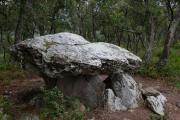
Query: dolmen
x=97 y=73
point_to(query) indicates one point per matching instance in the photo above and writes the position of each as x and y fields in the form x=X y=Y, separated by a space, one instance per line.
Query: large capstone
x=54 y=54
x=80 y=68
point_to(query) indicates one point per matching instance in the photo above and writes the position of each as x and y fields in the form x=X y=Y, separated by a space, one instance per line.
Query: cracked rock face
x=126 y=88
x=54 y=54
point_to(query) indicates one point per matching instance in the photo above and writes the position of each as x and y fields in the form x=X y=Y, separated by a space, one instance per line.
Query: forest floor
x=18 y=87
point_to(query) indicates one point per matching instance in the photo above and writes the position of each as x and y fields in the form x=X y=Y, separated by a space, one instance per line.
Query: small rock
x=178 y=104
x=126 y=119
x=82 y=108
x=157 y=104
x=92 y=118
x=140 y=85
x=131 y=110
x=150 y=91
x=29 y=117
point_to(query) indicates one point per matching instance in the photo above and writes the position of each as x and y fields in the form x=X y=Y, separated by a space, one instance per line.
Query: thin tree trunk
x=19 y=27
x=169 y=38
x=128 y=41
x=93 y=26
x=54 y=15
x=148 y=53
x=3 y=46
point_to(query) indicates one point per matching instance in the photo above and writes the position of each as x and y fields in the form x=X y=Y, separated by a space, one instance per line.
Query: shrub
x=50 y=103
x=53 y=105
x=157 y=117
x=5 y=108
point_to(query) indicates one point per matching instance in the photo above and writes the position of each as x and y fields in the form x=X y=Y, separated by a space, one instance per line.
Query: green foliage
x=73 y=115
x=53 y=105
x=5 y=104
x=9 y=72
x=5 y=108
x=157 y=117
x=170 y=72
x=150 y=71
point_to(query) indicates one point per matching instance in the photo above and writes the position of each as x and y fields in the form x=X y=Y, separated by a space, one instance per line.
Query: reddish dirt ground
x=142 y=113
x=16 y=87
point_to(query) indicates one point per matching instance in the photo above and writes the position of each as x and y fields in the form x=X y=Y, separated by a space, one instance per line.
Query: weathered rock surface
x=157 y=103
x=155 y=100
x=113 y=103
x=126 y=88
x=54 y=54
x=89 y=89
x=150 y=91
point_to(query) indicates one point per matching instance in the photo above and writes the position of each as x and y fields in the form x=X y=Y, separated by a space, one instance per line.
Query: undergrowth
x=54 y=106
x=9 y=72
x=157 y=117
x=170 y=72
x=5 y=108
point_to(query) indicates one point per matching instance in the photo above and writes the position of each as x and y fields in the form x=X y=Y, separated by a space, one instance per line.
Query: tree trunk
x=57 y=7
x=169 y=38
x=19 y=27
x=93 y=26
x=3 y=46
x=151 y=37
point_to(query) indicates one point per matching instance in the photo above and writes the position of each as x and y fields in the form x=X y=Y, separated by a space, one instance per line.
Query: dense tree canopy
x=137 y=25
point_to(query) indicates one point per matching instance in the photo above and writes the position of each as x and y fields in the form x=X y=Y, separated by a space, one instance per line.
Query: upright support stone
x=113 y=103
x=126 y=88
x=89 y=89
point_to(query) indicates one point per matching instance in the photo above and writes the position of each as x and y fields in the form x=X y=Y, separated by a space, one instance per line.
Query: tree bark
x=2 y=43
x=93 y=26
x=57 y=7
x=151 y=38
x=19 y=27
x=169 y=38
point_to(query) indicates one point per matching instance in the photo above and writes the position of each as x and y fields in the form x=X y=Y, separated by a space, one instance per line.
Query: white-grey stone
x=29 y=117
x=113 y=103
x=126 y=88
x=157 y=103
x=70 y=52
